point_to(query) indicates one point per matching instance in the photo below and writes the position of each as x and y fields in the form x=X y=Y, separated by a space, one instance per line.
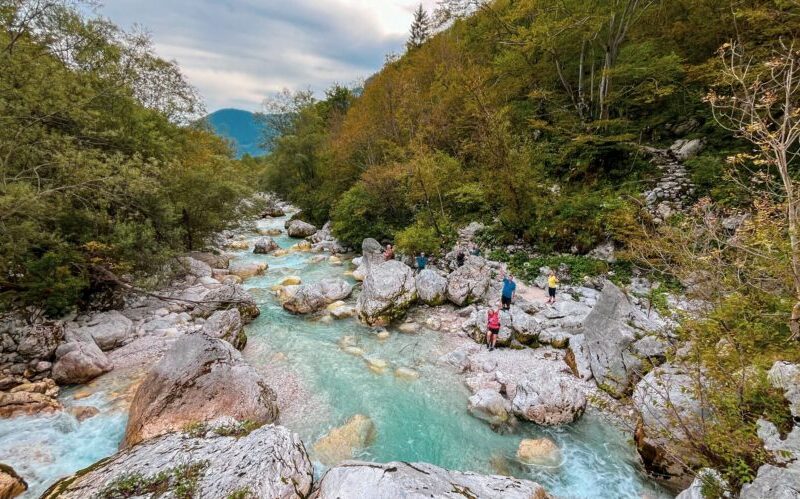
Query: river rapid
x=320 y=387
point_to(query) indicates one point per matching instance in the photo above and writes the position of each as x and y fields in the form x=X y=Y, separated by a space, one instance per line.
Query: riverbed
x=320 y=386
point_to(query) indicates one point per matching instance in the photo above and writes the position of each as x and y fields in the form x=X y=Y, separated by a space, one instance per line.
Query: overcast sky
x=238 y=51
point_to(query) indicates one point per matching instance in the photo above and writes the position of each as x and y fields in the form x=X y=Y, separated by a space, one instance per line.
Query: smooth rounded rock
x=539 y=452
x=343 y=442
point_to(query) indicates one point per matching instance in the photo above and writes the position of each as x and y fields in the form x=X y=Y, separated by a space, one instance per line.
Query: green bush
x=418 y=238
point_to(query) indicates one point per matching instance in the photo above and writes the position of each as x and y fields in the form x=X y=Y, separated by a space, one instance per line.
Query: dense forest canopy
x=519 y=101
x=101 y=170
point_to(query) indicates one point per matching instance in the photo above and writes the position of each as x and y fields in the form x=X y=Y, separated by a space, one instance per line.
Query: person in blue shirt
x=422 y=262
x=509 y=286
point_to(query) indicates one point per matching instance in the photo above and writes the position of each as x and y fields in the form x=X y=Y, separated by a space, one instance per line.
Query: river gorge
x=325 y=372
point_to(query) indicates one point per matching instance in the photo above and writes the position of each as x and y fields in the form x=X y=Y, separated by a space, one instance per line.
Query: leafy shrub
x=418 y=238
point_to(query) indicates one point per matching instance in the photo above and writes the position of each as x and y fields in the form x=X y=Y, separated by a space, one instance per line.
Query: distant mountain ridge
x=242 y=128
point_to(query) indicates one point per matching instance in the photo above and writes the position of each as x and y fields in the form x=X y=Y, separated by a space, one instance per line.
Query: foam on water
x=416 y=420
x=43 y=449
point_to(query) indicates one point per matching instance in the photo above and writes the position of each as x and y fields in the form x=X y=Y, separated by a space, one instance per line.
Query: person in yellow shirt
x=552 y=284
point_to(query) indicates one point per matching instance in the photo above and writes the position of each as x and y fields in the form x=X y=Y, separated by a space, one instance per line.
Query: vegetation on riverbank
x=102 y=168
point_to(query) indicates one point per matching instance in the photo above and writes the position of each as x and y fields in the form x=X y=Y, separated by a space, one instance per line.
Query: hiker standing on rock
x=422 y=262
x=460 y=258
x=493 y=327
x=509 y=287
x=389 y=253
x=552 y=284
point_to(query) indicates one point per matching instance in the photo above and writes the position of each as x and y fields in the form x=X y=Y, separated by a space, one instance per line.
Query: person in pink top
x=493 y=327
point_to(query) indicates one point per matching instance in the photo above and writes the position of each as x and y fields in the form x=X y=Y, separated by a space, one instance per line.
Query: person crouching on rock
x=389 y=253
x=493 y=327
x=552 y=284
x=509 y=286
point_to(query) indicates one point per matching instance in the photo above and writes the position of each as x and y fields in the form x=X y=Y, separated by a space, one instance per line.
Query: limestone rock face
x=215 y=261
x=608 y=338
x=109 y=330
x=360 y=480
x=79 y=363
x=195 y=267
x=265 y=245
x=341 y=443
x=389 y=289
x=779 y=481
x=786 y=376
x=491 y=407
x=431 y=287
x=372 y=254
x=684 y=149
x=11 y=484
x=548 y=398
x=246 y=270
x=307 y=298
x=540 y=452
x=268 y=462
x=19 y=403
x=470 y=282
x=40 y=341
x=232 y=295
x=199 y=379
x=323 y=240
x=226 y=325
x=667 y=407
x=299 y=229
x=578 y=357
x=773 y=482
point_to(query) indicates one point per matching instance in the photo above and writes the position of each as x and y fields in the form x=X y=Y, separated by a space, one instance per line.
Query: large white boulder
x=109 y=330
x=389 y=290
x=307 y=298
x=265 y=245
x=491 y=407
x=548 y=397
x=360 y=480
x=300 y=229
x=199 y=379
x=267 y=462
x=79 y=362
x=470 y=282
x=608 y=338
x=431 y=287
x=226 y=325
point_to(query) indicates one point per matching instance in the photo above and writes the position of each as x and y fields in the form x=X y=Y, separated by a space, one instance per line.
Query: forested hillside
x=545 y=120
x=529 y=111
x=101 y=177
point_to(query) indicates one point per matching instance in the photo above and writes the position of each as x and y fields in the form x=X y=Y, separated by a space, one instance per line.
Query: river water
x=416 y=420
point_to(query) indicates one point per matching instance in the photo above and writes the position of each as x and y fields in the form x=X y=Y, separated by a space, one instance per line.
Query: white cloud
x=238 y=51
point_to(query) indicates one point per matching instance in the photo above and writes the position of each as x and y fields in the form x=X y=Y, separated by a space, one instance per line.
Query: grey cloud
x=238 y=51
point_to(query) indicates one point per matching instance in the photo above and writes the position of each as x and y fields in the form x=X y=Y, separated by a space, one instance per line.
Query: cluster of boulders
x=307 y=298
x=532 y=385
x=674 y=189
x=391 y=287
x=323 y=240
x=205 y=420
x=27 y=354
x=39 y=357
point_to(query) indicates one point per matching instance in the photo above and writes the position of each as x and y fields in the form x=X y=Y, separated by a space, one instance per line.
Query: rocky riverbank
x=199 y=412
